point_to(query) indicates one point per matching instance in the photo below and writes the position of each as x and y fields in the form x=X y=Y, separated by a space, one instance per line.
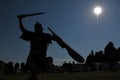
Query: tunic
x=36 y=60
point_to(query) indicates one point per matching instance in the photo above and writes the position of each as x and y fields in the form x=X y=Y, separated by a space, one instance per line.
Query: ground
x=96 y=75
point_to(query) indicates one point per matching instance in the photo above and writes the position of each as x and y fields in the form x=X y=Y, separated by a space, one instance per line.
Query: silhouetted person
x=39 y=41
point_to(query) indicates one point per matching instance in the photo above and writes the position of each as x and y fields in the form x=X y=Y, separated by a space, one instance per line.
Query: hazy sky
x=73 y=20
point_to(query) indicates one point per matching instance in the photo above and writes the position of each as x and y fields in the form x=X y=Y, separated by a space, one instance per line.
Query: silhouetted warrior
x=39 y=41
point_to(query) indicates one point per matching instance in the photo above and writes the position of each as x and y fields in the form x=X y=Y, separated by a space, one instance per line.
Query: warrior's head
x=38 y=28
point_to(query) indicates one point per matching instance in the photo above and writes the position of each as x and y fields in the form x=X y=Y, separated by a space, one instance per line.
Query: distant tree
x=23 y=67
x=10 y=67
x=90 y=61
x=49 y=60
x=67 y=66
x=110 y=54
x=1 y=64
x=90 y=58
x=99 y=57
x=70 y=67
x=64 y=65
x=49 y=63
x=16 y=67
x=118 y=55
x=73 y=63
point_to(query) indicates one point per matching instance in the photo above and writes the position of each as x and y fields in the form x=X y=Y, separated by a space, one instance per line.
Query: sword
x=76 y=56
x=28 y=15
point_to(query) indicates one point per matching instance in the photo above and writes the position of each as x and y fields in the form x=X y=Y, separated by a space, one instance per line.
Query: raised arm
x=20 y=23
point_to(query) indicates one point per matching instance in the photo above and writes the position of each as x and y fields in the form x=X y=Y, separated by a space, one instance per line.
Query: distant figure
x=36 y=61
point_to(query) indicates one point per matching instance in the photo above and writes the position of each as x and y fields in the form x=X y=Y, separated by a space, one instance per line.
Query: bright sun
x=97 y=10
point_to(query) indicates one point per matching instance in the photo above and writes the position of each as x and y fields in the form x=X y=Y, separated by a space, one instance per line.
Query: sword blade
x=33 y=14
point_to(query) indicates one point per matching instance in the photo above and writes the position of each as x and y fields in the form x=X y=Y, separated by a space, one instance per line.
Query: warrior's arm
x=21 y=24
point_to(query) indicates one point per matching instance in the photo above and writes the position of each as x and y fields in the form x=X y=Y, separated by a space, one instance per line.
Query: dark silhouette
x=10 y=67
x=99 y=57
x=17 y=67
x=23 y=67
x=117 y=55
x=76 y=56
x=109 y=53
x=90 y=60
x=67 y=67
x=49 y=62
x=36 y=61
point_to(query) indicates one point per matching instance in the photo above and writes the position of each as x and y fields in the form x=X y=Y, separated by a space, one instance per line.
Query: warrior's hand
x=20 y=17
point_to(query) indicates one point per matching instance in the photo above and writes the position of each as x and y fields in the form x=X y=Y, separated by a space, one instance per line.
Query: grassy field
x=96 y=75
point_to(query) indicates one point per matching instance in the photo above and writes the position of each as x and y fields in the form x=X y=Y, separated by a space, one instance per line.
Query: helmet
x=38 y=27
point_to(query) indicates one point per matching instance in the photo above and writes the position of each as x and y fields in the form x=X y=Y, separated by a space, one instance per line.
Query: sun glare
x=97 y=10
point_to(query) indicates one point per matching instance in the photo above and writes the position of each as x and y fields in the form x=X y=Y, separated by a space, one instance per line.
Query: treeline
x=110 y=55
x=11 y=67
